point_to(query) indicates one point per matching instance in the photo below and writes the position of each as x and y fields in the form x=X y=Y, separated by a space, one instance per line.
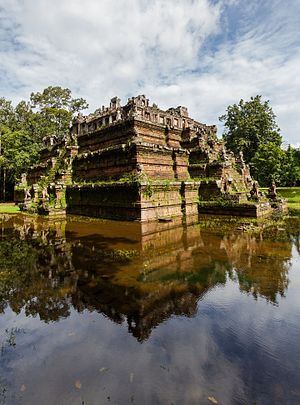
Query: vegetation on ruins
x=23 y=128
x=250 y=127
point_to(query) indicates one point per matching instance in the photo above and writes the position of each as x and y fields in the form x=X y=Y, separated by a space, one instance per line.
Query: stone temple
x=138 y=162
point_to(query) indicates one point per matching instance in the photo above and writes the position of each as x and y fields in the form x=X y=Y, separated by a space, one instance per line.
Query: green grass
x=293 y=196
x=9 y=208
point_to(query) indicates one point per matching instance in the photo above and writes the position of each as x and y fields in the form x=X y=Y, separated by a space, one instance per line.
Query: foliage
x=19 y=151
x=267 y=164
x=58 y=98
x=23 y=128
x=290 y=168
x=248 y=125
x=296 y=153
x=55 y=107
x=272 y=163
x=21 y=284
x=6 y=112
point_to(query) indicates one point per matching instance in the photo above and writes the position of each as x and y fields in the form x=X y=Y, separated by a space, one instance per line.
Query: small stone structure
x=138 y=162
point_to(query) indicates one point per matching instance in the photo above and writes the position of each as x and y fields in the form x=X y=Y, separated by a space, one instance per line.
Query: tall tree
x=58 y=97
x=249 y=125
x=267 y=164
x=290 y=169
x=297 y=163
x=6 y=112
x=55 y=107
x=23 y=128
x=19 y=151
x=6 y=121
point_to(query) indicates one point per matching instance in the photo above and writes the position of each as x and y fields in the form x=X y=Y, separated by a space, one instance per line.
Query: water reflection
x=133 y=273
x=212 y=311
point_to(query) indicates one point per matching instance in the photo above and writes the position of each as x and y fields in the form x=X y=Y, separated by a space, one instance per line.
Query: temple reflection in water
x=137 y=273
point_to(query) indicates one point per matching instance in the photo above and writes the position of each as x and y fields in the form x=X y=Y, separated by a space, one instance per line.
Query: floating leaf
x=78 y=384
x=213 y=400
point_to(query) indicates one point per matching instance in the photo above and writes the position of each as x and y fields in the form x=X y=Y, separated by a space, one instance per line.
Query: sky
x=204 y=54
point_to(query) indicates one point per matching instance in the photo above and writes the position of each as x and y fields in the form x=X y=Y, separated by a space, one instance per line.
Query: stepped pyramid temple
x=138 y=162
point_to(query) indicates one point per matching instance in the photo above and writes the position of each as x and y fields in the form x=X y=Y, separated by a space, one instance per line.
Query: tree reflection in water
x=132 y=272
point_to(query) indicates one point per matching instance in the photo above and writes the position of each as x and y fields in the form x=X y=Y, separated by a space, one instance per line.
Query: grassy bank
x=293 y=196
x=8 y=208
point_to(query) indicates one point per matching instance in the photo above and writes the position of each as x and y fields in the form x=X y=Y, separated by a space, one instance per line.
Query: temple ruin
x=138 y=162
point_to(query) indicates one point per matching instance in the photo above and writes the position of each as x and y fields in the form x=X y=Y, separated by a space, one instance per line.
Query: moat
x=105 y=312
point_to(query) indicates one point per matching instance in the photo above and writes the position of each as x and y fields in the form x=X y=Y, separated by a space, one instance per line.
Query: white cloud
x=204 y=54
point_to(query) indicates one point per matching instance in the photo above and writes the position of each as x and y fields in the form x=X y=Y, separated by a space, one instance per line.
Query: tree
x=19 y=151
x=297 y=156
x=6 y=120
x=23 y=128
x=250 y=125
x=290 y=168
x=23 y=116
x=55 y=107
x=267 y=164
x=6 y=112
x=57 y=97
x=297 y=163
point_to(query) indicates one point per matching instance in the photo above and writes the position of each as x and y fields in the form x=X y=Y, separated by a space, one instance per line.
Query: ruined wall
x=36 y=172
x=49 y=152
x=108 y=164
x=156 y=134
x=133 y=201
x=116 y=133
x=115 y=201
x=241 y=210
x=120 y=161
x=127 y=149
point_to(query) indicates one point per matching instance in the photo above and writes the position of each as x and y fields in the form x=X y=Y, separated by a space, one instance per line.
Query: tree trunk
x=4 y=180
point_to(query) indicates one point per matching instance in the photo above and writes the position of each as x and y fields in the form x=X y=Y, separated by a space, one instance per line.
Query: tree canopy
x=250 y=127
x=55 y=107
x=267 y=163
x=22 y=129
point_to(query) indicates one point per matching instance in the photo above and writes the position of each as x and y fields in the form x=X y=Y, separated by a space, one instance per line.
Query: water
x=103 y=312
